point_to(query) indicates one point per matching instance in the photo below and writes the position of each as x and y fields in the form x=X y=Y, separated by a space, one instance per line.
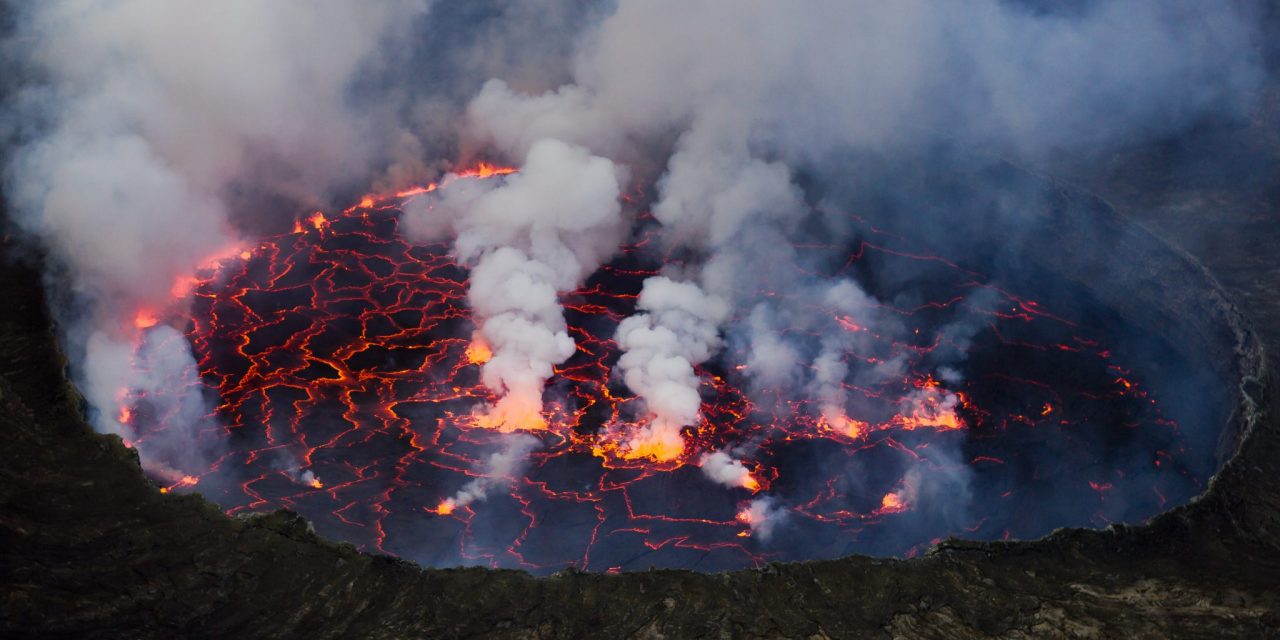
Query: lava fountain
x=344 y=367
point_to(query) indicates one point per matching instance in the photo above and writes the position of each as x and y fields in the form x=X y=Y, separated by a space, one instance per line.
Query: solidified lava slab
x=339 y=357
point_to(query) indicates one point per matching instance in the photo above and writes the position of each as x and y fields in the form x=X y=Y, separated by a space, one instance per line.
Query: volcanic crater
x=1176 y=560
x=1029 y=392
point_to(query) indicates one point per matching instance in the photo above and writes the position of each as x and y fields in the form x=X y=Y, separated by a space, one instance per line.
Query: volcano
x=639 y=319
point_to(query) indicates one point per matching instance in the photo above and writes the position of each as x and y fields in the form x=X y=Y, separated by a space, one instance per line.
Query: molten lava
x=145 y=319
x=341 y=351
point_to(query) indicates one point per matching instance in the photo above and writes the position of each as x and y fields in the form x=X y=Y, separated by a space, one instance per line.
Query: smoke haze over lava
x=633 y=283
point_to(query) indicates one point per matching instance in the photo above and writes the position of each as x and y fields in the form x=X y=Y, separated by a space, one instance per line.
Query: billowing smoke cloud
x=675 y=330
x=528 y=240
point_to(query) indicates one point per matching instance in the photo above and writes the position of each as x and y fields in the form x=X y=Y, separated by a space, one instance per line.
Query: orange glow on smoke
x=655 y=443
x=145 y=319
x=183 y=286
x=478 y=352
x=446 y=507
x=849 y=324
x=416 y=191
x=185 y=481
x=750 y=483
x=482 y=170
x=512 y=414
x=841 y=423
x=935 y=409
x=485 y=170
x=892 y=503
x=318 y=221
x=942 y=419
x=315 y=220
x=316 y=483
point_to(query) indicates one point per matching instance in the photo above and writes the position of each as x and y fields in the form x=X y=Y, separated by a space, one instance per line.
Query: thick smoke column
x=528 y=240
x=854 y=311
x=675 y=330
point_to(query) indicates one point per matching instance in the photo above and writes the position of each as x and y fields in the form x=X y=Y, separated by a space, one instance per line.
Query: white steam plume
x=720 y=467
x=165 y=378
x=535 y=236
x=763 y=515
x=675 y=330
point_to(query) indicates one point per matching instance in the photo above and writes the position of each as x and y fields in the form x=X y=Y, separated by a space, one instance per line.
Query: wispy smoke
x=502 y=467
x=166 y=381
x=763 y=515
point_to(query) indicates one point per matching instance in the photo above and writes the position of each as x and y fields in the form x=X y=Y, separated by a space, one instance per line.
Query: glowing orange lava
x=892 y=503
x=145 y=319
x=478 y=352
x=485 y=170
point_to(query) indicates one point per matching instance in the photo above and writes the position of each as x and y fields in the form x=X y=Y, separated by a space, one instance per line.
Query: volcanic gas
x=346 y=371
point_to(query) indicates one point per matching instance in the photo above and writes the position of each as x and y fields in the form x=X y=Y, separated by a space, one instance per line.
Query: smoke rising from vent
x=675 y=329
x=528 y=240
x=502 y=466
